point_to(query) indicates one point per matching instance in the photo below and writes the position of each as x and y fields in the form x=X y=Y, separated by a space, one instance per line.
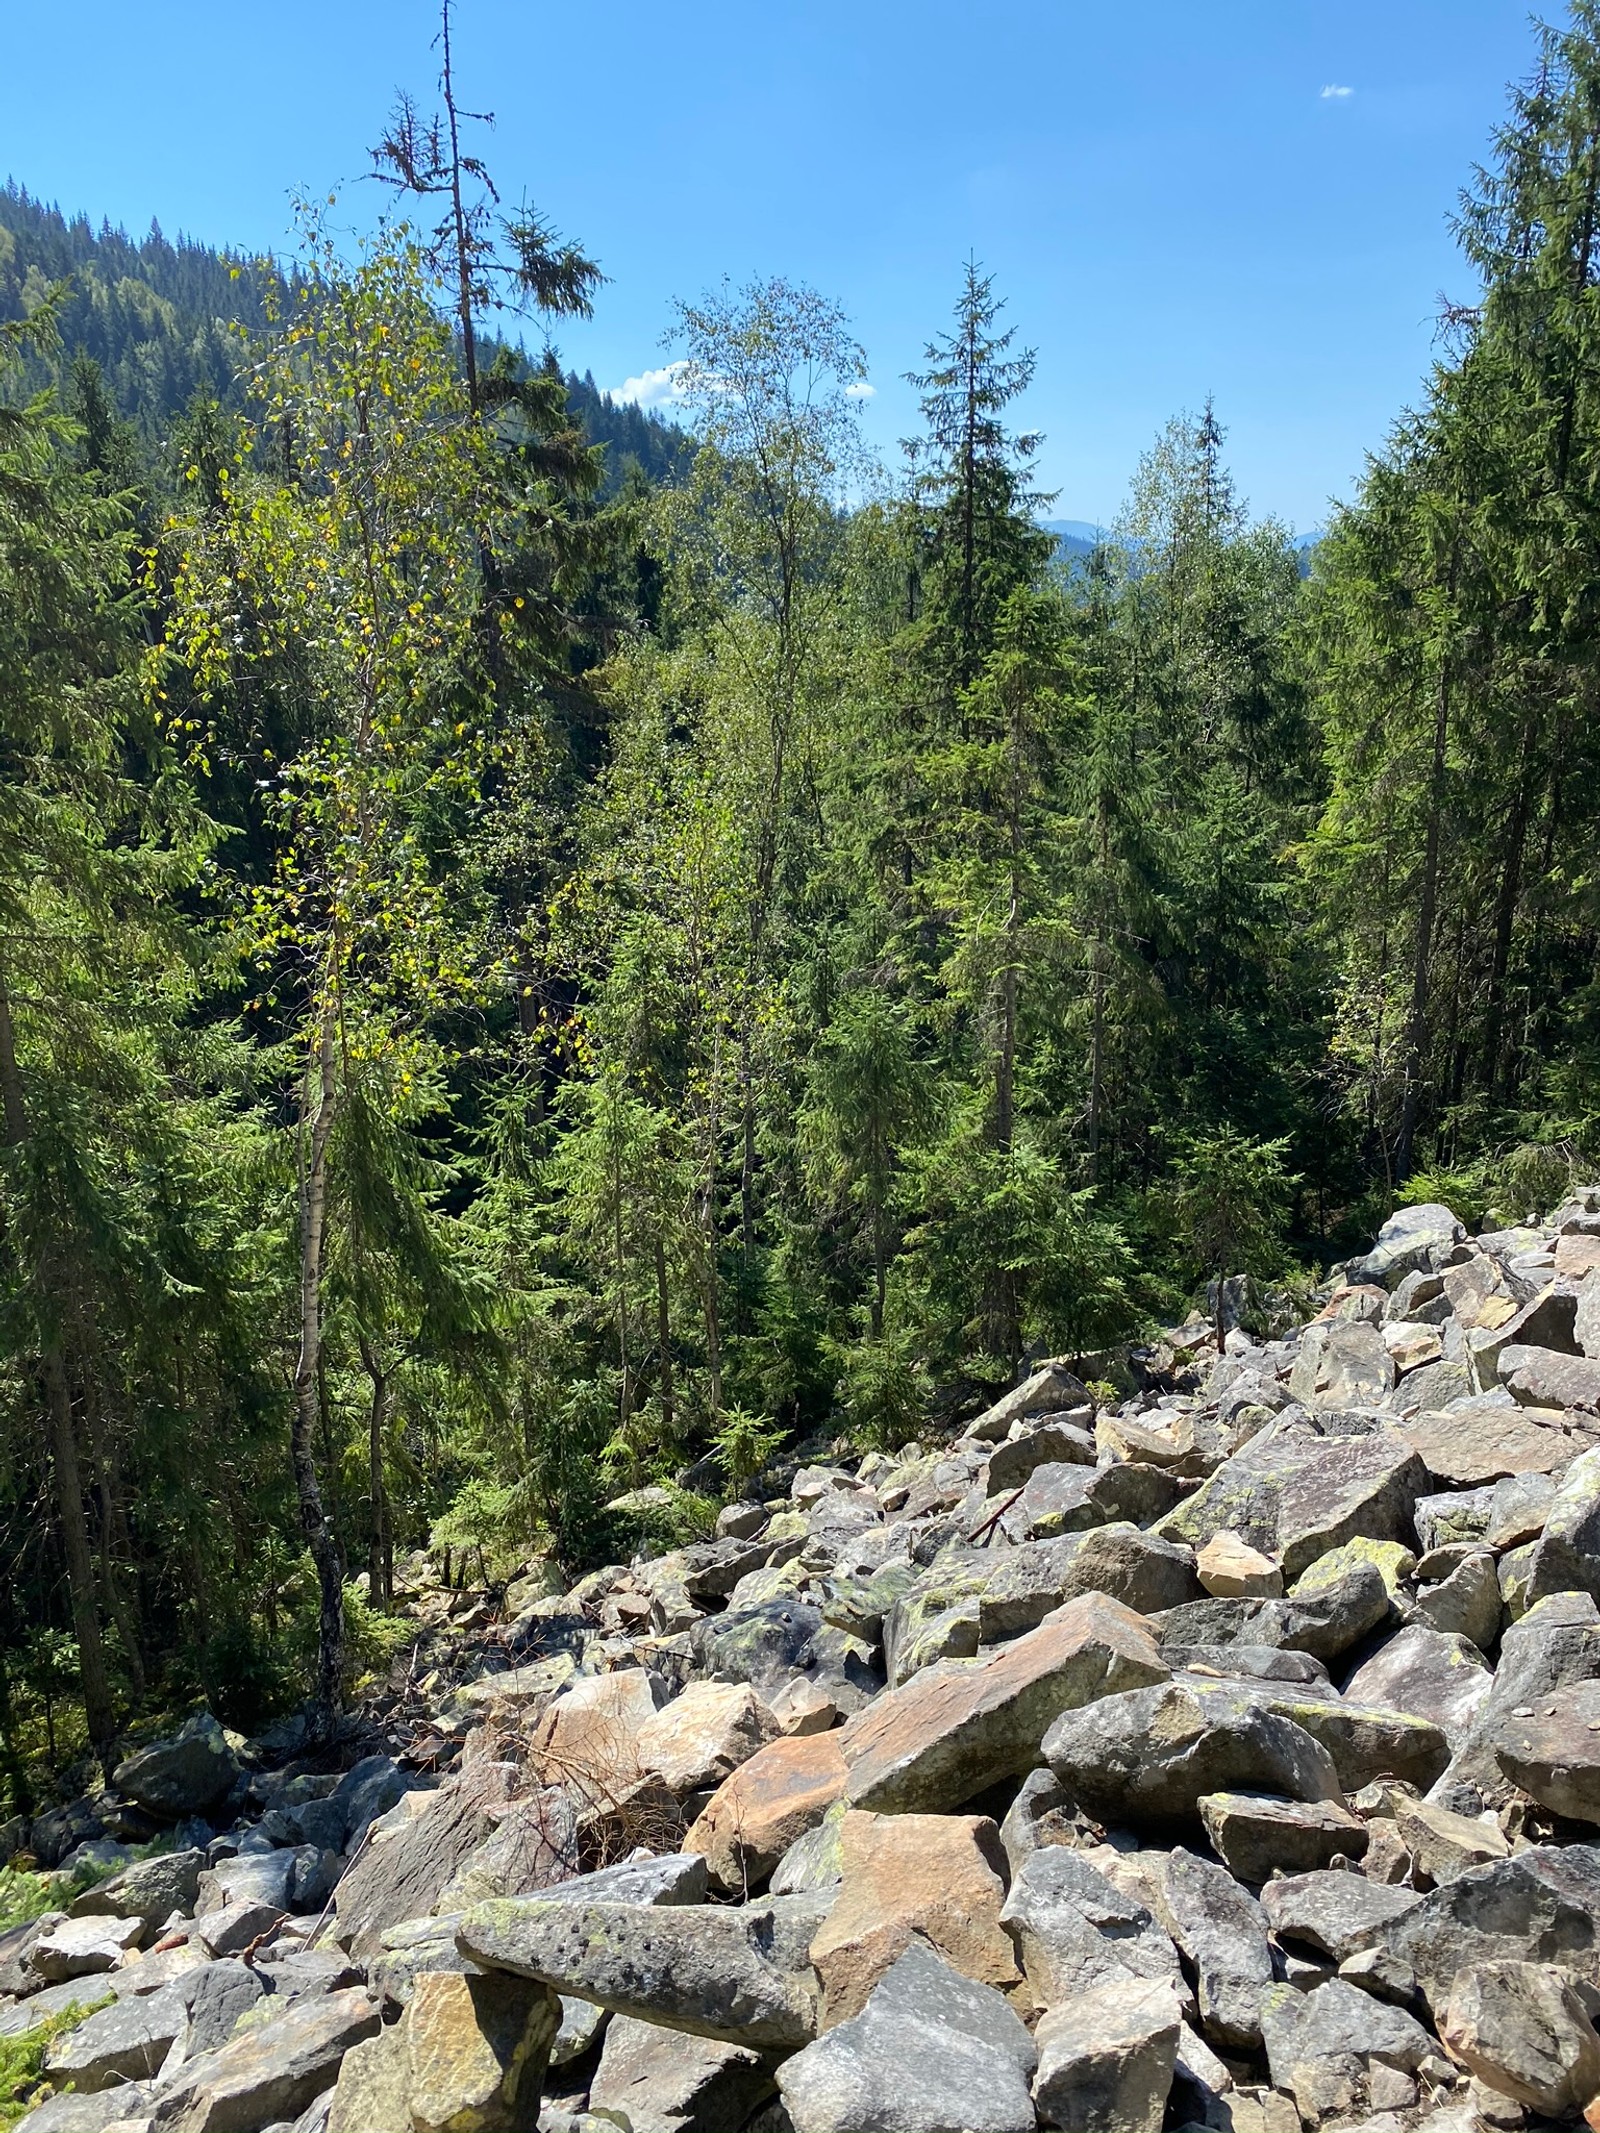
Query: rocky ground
x=1229 y=1757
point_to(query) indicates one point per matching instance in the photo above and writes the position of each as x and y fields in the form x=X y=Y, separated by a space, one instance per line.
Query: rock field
x=1226 y=1756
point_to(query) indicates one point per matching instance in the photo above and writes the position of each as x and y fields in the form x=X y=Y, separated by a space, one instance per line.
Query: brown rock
x=703 y=1736
x=1544 y=1377
x=1256 y=1833
x=938 y=1876
x=954 y=1730
x=589 y=1737
x=757 y=1813
x=1444 y=1844
x=1466 y=1448
x=1230 y=1569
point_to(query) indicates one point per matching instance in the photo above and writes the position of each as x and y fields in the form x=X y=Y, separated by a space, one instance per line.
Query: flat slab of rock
x=1336 y=1913
x=765 y=1806
x=955 y=1730
x=931 y=2052
x=735 y=1975
x=1257 y=1834
x=414 y=1850
x=1467 y=1449
x=125 y=2042
x=83 y=1947
x=937 y=1877
x=1052 y=1390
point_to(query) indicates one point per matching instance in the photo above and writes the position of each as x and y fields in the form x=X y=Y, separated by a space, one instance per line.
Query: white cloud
x=1336 y=89
x=861 y=390
x=653 y=388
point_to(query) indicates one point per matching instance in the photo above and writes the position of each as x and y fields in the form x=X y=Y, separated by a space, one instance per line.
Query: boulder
x=1443 y=1844
x=588 y=1738
x=150 y=1888
x=931 y=2052
x=1543 y=1377
x=1365 y=1741
x=1222 y=1930
x=1258 y=1834
x=1523 y=2031
x=1071 y=1498
x=1052 y=1443
x=1106 y=2058
x=1566 y=1558
x=1051 y=1390
x=185 y=1775
x=535 y=1841
x=1409 y=1242
x=1540 y=1906
x=1230 y=1569
x=1467 y=1448
x=1465 y=1604
x=739 y=1976
x=704 y=1734
x=477 y=2049
x=83 y=1947
x=1016 y=1592
x=758 y=1812
x=1325 y=1622
x=1556 y=1643
x=1342 y=1363
x=1074 y=1931
x=1337 y=1913
x=1147 y=1756
x=1553 y=1752
x=1427 y=1674
x=665 y=2081
x=767 y=1643
x=1294 y=1495
x=269 y=2074
x=955 y=1730
x=127 y=2041
x=1325 y=2046
x=413 y=1851
x=940 y=1878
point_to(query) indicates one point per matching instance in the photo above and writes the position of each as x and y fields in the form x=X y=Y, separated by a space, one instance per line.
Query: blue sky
x=1246 y=197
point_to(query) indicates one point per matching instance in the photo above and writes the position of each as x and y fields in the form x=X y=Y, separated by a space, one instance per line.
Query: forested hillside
x=533 y=973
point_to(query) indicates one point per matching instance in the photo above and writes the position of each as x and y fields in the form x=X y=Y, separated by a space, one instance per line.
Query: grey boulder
x=1149 y=1755
x=931 y=2052
x=739 y=1976
x=184 y=1775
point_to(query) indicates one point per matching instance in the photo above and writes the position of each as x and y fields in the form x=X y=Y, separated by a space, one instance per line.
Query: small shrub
x=745 y=1446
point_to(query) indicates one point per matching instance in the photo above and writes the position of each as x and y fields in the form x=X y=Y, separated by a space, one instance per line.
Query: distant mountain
x=1075 y=536
x=161 y=321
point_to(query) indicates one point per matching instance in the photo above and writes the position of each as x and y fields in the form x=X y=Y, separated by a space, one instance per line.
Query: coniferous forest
x=548 y=956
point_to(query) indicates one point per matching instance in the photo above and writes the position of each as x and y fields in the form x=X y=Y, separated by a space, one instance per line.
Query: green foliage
x=22 y=2057
x=504 y=995
x=1231 y=1202
x=884 y=1398
x=745 y=1446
